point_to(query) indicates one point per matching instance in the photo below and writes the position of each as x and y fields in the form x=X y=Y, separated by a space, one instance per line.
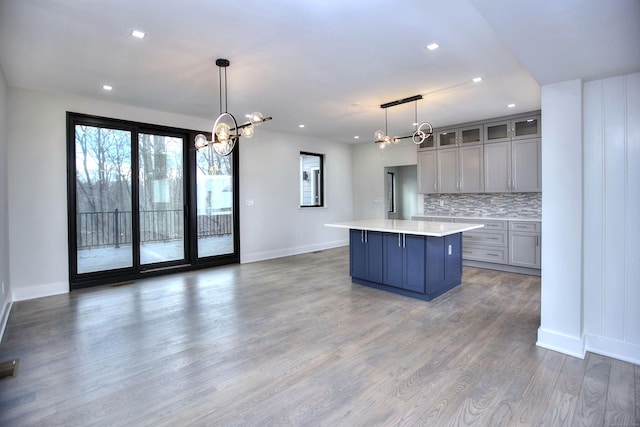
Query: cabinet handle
x=404 y=240
x=537 y=241
x=492 y=238
x=361 y=236
x=366 y=236
x=399 y=240
x=492 y=254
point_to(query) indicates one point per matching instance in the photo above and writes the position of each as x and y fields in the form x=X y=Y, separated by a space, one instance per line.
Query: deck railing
x=114 y=228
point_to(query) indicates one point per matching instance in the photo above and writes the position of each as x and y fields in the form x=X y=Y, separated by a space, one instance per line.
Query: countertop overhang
x=420 y=228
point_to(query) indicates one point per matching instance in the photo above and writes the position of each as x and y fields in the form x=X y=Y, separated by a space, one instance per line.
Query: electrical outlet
x=441 y=203
x=249 y=202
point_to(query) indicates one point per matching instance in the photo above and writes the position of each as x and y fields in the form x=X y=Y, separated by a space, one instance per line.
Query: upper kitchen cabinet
x=513 y=166
x=460 y=169
x=458 y=137
x=428 y=144
x=427 y=172
x=513 y=129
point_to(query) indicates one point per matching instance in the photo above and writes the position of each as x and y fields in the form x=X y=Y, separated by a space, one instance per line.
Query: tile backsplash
x=506 y=205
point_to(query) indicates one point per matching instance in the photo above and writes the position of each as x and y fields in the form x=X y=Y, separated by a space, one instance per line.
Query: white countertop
x=486 y=218
x=421 y=228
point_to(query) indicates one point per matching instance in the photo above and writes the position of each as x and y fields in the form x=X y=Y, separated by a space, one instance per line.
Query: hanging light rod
x=401 y=101
x=423 y=130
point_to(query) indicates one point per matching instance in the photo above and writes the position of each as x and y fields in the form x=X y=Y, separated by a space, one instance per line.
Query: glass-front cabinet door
x=471 y=135
x=447 y=138
x=526 y=127
x=427 y=144
x=507 y=130
x=497 y=131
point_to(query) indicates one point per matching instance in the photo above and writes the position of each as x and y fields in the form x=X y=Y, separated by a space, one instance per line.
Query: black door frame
x=191 y=260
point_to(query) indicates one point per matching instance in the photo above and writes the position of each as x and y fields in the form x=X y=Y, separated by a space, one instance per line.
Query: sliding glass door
x=161 y=198
x=103 y=199
x=215 y=201
x=143 y=201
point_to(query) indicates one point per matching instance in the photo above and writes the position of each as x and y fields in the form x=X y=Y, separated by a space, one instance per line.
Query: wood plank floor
x=293 y=342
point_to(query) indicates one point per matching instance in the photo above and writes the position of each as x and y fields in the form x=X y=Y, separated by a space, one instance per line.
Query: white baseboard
x=39 y=291
x=262 y=256
x=567 y=344
x=613 y=348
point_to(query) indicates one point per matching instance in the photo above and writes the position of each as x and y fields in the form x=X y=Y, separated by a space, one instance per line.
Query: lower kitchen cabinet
x=524 y=244
x=508 y=245
x=404 y=261
x=418 y=266
x=365 y=251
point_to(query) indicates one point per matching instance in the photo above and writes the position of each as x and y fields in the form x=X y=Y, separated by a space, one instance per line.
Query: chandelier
x=226 y=132
x=423 y=130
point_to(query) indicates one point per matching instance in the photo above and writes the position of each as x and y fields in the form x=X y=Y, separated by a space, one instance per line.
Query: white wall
x=590 y=207
x=5 y=290
x=37 y=200
x=611 y=212
x=368 y=163
x=269 y=177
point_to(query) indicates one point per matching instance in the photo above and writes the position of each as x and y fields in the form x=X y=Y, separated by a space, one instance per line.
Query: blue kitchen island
x=419 y=259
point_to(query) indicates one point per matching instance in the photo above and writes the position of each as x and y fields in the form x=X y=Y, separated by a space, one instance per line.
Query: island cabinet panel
x=404 y=261
x=419 y=266
x=366 y=255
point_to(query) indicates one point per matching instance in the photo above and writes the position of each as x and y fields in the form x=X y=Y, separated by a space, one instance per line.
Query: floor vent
x=9 y=369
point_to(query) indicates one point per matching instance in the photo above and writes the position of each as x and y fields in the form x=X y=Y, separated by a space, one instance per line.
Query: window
x=391 y=192
x=311 y=180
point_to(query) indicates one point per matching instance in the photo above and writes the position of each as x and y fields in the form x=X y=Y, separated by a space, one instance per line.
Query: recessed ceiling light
x=356 y=137
x=138 y=34
x=511 y=105
x=300 y=126
x=433 y=46
x=107 y=87
x=476 y=79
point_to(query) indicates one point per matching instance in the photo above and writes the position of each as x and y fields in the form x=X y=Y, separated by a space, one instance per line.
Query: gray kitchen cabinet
x=448 y=173
x=462 y=136
x=524 y=244
x=471 y=169
x=512 y=129
x=460 y=170
x=513 y=166
x=497 y=167
x=526 y=165
x=428 y=144
x=427 y=172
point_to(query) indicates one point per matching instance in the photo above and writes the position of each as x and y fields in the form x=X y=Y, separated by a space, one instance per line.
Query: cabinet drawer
x=488 y=224
x=493 y=238
x=496 y=255
x=525 y=226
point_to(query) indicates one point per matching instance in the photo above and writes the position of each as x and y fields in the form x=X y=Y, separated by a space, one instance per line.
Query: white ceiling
x=326 y=63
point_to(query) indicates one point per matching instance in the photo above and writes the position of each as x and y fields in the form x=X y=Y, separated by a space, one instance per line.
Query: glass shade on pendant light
x=378 y=135
x=256 y=118
x=247 y=131
x=222 y=131
x=395 y=140
x=201 y=141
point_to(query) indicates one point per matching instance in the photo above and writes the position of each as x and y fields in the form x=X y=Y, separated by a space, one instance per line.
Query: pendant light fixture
x=226 y=132
x=422 y=132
